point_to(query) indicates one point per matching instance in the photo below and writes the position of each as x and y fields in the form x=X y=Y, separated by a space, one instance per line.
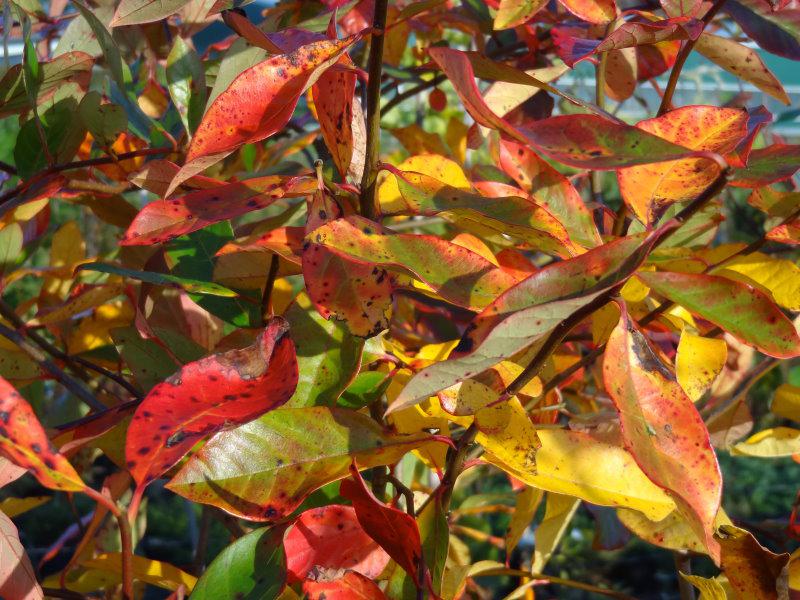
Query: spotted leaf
x=206 y=395
x=662 y=429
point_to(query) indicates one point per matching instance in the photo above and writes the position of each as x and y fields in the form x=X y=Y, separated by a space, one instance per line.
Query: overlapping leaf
x=204 y=396
x=743 y=311
x=263 y=470
x=662 y=429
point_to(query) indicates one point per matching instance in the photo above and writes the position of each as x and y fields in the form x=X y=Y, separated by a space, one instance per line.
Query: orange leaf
x=662 y=428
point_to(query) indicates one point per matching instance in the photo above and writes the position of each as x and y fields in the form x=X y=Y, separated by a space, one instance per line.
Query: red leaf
x=24 y=442
x=206 y=395
x=662 y=429
x=163 y=220
x=333 y=101
x=395 y=531
x=236 y=118
x=351 y=586
x=331 y=537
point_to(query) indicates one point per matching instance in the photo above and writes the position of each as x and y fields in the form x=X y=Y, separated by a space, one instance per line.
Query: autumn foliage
x=373 y=286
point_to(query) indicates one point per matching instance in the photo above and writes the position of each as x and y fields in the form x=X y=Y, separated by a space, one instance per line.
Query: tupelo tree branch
x=373 y=110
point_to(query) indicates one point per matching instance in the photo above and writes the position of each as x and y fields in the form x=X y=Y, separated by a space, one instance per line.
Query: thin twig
x=683 y=564
x=373 y=110
x=267 y=310
x=680 y=60
x=537 y=578
x=10 y=169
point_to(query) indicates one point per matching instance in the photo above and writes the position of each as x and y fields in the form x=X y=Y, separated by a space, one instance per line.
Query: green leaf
x=11 y=239
x=328 y=356
x=251 y=568
x=435 y=534
x=193 y=256
x=104 y=121
x=135 y=12
x=263 y=470
x=62 y=131
x=187 y=83
x=366 y=388
x=119 y=70
x=163 y=279
x=740 y=309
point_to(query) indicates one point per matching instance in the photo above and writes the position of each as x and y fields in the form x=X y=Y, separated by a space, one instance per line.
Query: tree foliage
x=322 y=274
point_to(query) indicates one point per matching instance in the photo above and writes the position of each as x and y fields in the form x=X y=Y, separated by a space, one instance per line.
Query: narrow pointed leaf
x=233 y=119
x=135 y=12
x=776 y=31
x=395 y=531
x=24 y=442
x=333 y=102
x=455 y=273
x=332 y=538
x=263 y=470
x=163 y=279
x=163 y=220
x=204 y=396
x=740 y=309
x=662 y=429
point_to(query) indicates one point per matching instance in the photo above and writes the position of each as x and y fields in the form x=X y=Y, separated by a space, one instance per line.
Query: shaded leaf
x=558 y=514
x=662 y=428
x=17 y=577
x=776 y=31
x=164 y=220
x=252 y=568
x=24 y=442
x=163 y=279
x=752 y=570
x=455 y=273
x=768 y=165
x=187 y=83
x=395 y=531
x=264 y=470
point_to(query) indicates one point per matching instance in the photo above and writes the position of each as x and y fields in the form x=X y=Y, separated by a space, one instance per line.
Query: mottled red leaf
x=740 y=309
x=550 y=189
x=24 y=442
x=457 y=274
x=662 y=428
x=163 y=220
x=638 y=33
x=357 y=293
x=331 y=537
x=218 y=391
x=768 y=165
x=394 y=530
x=350 y=586
x=333 y=103
x=235 y=118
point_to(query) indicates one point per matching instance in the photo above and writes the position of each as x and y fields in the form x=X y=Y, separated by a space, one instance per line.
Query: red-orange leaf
x=24 y=442
x=662 y=428
x=395 y=531
x=331 y=537
x=649 y=189
x=163 y=220
x=258 y=103
x=333 y=102
x=598 y=12
x=204 y=396
x=350 y=586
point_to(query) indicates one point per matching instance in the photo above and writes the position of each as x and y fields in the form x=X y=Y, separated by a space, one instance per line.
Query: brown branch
x=680 y=60
x=267 y=310
x=373 y=110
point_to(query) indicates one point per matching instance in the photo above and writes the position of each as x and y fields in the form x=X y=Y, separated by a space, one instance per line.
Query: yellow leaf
x=710 y=589
x=770 y=443
x=779 y=277
x=456 y=138
x=672 y=532
x=786 y=402
x=433 y=165
x=558 y=513
x=527 y=502
x=67 y=250
x=80 y=303
x=634 y=290
x=154 y=572
x=698 y=363
x=507 y=433
x=93 y=332
x=576 y=464
x=794 y=570
x=13 y=507
x=604 y=321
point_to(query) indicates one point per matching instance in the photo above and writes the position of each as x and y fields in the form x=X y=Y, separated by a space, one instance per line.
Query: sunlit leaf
x=17 y=577
x=698 y=362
